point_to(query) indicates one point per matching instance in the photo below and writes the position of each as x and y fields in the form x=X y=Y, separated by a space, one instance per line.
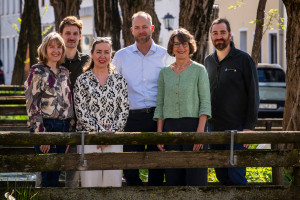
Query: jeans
x=230 y=176
x=51 y=178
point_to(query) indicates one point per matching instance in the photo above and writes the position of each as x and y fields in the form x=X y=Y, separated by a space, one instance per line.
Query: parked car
x=272 y=88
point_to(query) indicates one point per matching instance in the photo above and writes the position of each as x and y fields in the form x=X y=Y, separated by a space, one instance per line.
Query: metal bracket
x=233 y=158
x=83 y=161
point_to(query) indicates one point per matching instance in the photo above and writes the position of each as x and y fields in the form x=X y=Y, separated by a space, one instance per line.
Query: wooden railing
x=152 y=160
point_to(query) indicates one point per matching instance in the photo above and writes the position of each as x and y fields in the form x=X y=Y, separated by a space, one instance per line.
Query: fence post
x=277 y=172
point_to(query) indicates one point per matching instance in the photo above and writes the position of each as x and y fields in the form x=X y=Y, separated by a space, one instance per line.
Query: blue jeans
x=51 y=178
x=230 y=176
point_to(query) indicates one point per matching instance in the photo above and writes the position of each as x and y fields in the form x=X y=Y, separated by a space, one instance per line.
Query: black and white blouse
x=100 y=108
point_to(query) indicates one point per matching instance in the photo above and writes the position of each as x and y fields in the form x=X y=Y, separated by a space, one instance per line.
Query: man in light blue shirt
x=140 y=65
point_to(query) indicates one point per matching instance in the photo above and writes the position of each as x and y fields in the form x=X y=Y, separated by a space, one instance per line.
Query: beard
x=221 y=46
x=142 y=40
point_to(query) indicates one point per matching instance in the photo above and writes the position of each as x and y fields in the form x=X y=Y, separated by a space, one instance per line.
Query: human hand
x=67 y=149
x=246 y=145
x=197 y=147
x=45 y=148
x=161 y=147
x=100 y=146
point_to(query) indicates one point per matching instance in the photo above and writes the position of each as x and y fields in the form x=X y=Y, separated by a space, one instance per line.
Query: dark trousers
x=230 y=176
x=142 y=122
x=187 y=176
x=51 y=179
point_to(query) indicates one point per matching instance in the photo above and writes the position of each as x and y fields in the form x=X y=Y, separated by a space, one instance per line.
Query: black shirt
x=75 y=66
x=234 y=90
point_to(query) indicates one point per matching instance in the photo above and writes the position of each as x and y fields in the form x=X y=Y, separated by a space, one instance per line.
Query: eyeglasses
x=184 y=44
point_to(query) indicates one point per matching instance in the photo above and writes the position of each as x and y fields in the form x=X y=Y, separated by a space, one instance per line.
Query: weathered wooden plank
x=16 y=150
x=11 y=88
x=7 y=110
x=12 y=100
x=13 y=122
x=14 y=128
x=253 y=137
x=148 y=160
x=169 y=193
x=276 y=122
x=264 y=129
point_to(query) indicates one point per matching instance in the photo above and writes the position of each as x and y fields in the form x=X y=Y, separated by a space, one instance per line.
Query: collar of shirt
x=152 y=49
x=230 y=54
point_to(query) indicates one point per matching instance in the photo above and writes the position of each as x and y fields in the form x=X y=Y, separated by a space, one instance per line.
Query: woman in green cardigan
x=183 y=104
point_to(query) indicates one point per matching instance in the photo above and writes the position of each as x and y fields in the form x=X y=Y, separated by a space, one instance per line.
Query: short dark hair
x=220 y=21
x=70 y=21
x=183 y=35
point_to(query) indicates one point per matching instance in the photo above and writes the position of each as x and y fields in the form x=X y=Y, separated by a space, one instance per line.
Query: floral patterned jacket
x=100 y=108
x=48 y=96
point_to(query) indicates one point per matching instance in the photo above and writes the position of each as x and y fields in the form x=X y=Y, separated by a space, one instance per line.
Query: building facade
x=273 y=42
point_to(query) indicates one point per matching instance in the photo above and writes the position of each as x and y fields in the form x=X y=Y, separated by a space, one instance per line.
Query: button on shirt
x=141 y=73
x=183 y=95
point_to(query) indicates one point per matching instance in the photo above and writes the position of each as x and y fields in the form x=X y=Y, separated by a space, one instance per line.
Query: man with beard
x=70 y=30
x=140 y=65
x=234 y=94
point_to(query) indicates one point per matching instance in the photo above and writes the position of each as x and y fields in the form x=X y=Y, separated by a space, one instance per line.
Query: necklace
x=181 y=67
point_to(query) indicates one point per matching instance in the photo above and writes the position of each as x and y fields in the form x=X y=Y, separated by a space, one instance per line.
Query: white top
x=141 y=73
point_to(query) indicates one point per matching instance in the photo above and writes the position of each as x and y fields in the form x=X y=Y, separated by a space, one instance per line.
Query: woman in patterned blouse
x=101 y=105
x=48 y=98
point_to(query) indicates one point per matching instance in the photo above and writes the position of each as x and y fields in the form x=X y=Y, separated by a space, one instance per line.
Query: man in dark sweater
x=234 y=94
x=70 y=30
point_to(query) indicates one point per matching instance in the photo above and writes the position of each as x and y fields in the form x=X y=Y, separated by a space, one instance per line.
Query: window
x=2 y=7
x=7 y=6
x=243 y=40
x=273 y=48
x=42 y=3
x=2 y=50
x=13 y=6
x=17 y=4
x=7 y=54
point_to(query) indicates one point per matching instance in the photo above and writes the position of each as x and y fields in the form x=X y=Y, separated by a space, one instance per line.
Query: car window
x=272 y=93
x=270 y=75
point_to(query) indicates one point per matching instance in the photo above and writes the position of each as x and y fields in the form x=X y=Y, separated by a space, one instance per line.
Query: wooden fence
x=152 y=160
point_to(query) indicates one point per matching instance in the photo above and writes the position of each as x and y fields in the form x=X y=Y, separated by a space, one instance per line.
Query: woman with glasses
x=183 y=104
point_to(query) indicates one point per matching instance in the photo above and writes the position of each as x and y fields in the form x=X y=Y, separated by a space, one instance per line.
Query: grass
x=21 y=192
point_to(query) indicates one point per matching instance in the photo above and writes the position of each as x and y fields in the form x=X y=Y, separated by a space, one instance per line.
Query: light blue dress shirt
x=141 y=73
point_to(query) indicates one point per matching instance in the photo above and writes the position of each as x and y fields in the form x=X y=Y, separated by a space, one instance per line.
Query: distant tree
x=29 y=39
x=260 y=16
x=291 y=118
x=196 y=17
x=129 y=7
x=107 y=20
x=64 y=8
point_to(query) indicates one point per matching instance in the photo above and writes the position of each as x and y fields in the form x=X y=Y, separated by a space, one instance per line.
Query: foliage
x=288 y=176
x=253 y=174
x=271 y=16
x=15 y=26
x=238 y=4
x=14 y=117
x=22 y=192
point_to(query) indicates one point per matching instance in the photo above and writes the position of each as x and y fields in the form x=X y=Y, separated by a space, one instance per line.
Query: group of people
x=145 y=88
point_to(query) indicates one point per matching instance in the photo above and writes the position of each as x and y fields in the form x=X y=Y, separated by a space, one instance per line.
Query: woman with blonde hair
x=101 y=105
x=48 y=98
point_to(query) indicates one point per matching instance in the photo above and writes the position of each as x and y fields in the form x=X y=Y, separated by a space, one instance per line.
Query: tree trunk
x=291 y=118
x=130 y=7
x=195 y=16
x=108 y=21
x=255 y=54
x=30 y=33
x=64 y=8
